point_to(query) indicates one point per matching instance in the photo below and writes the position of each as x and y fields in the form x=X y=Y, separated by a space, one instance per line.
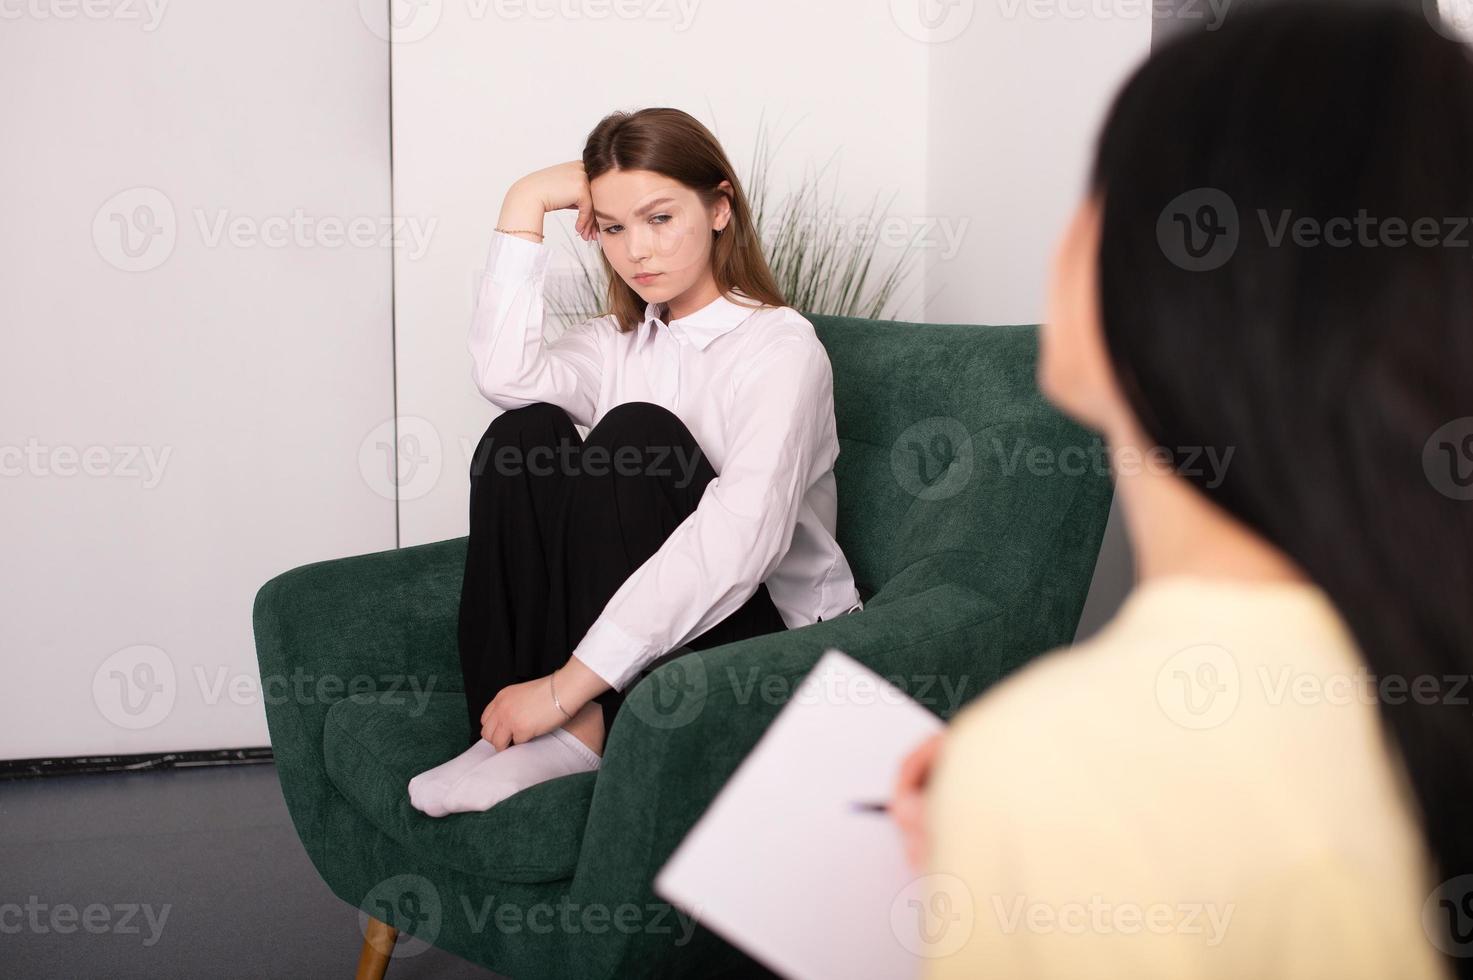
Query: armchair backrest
x=953 y=467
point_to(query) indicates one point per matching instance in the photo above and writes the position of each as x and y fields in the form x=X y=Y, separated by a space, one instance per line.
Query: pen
x=869 y=807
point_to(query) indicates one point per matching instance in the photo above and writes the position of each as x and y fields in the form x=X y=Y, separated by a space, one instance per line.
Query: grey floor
x=175 y=873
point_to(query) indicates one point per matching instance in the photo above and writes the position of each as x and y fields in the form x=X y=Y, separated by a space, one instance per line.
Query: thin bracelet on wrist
x=551 y=682
x=521 y=231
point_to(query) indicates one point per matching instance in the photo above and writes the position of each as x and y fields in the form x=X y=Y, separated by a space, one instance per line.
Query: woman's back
x=1204 y=789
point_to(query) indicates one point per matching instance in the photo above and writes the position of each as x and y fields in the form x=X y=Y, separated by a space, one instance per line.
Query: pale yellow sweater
x=1204 y=789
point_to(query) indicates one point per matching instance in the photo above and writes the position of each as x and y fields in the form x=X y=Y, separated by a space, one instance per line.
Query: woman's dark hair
x=1336 y=363
x=674 y=143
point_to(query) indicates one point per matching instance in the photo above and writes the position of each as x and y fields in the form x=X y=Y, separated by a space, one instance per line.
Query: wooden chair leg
x=378 y=946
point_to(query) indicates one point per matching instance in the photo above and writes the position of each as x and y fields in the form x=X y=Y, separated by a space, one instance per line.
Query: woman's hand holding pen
x=907 y=806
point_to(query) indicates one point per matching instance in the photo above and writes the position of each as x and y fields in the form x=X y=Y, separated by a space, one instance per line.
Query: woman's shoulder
x=1057 y=696
x=1181 y=752
x=770 y=325
x=1181 y=655
x=1194 y=690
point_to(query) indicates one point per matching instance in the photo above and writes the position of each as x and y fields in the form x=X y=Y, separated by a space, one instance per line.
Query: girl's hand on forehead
x=563 y=187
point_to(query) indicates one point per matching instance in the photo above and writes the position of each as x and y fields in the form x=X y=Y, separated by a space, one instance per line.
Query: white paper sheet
x=779 y=864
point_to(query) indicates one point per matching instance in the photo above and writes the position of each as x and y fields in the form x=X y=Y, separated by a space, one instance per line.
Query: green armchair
x=971 y=513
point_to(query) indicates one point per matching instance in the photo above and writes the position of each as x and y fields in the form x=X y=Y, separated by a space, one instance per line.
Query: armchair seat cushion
x=374 y=743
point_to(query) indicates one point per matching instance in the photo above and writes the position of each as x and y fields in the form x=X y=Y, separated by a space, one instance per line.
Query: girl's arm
x=511 y=364
x=782 y=438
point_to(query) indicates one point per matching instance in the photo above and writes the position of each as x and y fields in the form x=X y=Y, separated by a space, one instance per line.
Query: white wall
x=982 y=122
x=481 y=99
x=978 y=115
x=251 y=373
x=260 y=378
x=1017 y=95
x=1015 y=100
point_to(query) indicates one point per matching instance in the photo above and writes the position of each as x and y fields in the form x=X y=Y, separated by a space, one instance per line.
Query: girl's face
x=651 y=225
x=1074 y=370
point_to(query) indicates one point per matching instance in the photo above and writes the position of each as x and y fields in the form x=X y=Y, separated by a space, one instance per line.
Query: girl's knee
x=633 y=422
x=538 y=415
x=538 y=424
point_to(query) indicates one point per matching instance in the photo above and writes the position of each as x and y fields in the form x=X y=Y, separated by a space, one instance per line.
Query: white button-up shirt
x=755 y=388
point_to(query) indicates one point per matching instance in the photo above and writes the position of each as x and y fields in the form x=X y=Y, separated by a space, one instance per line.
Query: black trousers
x=557 y=524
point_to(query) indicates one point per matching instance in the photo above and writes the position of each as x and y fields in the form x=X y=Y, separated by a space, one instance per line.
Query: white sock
x=427 y=790
x=552 y=754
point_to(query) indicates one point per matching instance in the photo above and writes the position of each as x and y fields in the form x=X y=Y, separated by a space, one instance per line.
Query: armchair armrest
x=685 y=728
x=347 y=626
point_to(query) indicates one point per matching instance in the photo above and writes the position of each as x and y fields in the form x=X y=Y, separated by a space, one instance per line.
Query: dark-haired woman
x=1263 y=765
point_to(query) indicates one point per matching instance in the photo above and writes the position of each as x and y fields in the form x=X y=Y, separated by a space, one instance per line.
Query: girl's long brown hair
x=675 y=144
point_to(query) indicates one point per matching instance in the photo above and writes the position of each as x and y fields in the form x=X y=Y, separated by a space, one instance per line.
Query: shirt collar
x=700 y=328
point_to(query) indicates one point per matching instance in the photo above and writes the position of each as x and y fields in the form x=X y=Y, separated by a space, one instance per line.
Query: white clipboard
x=781 y=866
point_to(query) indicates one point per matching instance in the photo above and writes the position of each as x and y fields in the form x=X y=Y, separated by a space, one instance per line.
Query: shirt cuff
x=511 y=257
x=613 y=654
